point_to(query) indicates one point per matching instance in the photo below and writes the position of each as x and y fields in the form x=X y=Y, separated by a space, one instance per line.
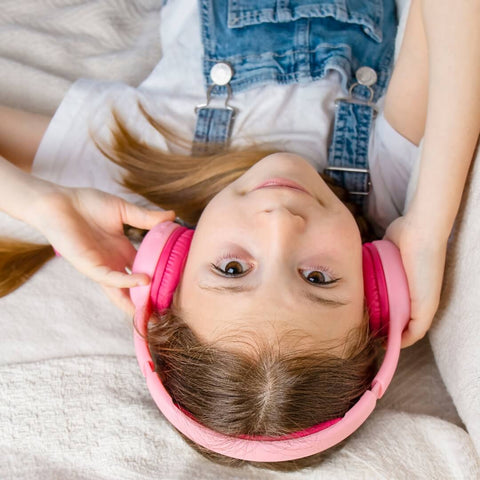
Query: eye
x=231 y=267
x=318 y=277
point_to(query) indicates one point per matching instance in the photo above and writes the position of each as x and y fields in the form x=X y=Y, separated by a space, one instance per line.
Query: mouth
x=282 y=183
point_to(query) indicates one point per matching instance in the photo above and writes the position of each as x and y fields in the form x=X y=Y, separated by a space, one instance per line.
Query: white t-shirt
x=294 y=118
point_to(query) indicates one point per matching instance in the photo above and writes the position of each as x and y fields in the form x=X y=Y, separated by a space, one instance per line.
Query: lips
x=281 y=183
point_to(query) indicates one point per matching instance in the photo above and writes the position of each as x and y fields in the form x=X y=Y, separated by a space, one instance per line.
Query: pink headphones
x=162 y=255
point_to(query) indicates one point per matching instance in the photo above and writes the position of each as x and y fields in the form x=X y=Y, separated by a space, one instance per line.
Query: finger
x=127 y=255
x=140 y=217
x=422 y=314
x=414 y=332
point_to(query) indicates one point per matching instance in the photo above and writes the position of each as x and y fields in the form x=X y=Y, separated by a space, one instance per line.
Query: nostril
x=282 y=211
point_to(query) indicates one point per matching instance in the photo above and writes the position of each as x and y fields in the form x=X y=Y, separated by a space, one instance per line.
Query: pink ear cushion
x=375 y=286
x=170 y=266
x=147 y=257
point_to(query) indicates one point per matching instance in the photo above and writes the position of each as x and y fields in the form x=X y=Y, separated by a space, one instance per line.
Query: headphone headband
x=162 y=255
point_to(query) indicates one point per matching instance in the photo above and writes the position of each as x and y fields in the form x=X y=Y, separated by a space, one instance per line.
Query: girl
x=254 y=310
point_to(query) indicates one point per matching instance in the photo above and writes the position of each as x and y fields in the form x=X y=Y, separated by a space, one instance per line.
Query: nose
x=281 y=228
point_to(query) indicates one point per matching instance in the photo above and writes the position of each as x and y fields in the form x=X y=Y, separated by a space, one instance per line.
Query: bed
x=73 y=404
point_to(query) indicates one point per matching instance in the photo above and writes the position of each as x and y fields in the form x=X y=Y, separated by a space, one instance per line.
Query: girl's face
x=275 y=252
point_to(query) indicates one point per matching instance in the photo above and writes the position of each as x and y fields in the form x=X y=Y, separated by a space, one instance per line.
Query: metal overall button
x=366 y=76
x=221 y=73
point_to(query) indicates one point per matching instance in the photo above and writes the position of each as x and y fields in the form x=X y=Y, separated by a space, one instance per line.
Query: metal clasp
x=358 y=101
x=365 y=171
x=209 y=97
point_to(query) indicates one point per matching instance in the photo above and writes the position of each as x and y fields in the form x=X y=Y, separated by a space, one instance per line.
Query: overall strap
x=348 y=154
x=214 y=124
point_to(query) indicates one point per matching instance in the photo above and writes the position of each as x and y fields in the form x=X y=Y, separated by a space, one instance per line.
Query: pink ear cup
x=386 y=286
x=161 y=256
x=375 y=286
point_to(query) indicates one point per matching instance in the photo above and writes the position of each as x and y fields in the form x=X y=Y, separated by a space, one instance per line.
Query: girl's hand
x=86 y=227
x=423 y=255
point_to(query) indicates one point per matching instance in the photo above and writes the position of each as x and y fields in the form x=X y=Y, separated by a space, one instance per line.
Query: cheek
x=219 y=211
x=343 y=242
x=347 y=227
x=340 y=228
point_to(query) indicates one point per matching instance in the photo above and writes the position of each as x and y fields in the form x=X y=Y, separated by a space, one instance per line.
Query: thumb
x=144 y=218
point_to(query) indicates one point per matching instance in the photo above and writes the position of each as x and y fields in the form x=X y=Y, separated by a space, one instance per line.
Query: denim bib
x=258 y=42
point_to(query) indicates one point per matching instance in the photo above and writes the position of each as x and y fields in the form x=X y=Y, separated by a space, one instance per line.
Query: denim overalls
x=249 y=43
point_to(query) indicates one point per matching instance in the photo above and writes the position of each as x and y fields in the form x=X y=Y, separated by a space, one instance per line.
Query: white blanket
x=73 y=404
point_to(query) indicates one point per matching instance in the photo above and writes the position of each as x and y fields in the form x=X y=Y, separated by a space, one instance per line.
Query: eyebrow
x=242 y=288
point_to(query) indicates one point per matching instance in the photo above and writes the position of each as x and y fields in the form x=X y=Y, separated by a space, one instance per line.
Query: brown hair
x=19 y=261
x=271 y=392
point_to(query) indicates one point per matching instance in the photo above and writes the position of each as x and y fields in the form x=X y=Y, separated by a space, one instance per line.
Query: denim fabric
x=297 y=41
x=212 y=131
x=349 y=148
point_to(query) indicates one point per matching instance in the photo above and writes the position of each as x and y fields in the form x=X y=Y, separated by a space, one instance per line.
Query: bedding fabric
x=73 y=403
